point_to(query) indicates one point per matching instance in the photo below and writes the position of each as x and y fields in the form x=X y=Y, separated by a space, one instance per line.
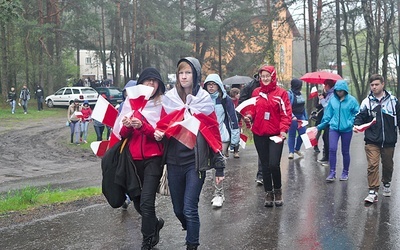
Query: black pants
x=270 y=154
x=149 y=172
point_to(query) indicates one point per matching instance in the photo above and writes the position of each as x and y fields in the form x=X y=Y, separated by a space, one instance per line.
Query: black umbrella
x=237 y=80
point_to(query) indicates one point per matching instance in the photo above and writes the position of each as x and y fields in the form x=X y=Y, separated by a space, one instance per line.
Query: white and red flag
x=310 y=138
x=365 y=126
x=199 y=107
x=185 y=131
x=77 y=114
x=104 y=112
x=243 y=140
x=301 y=123
x=138 y=96
x=277 y=138
x=246 y=106
x=313 y=93
x=99 y=148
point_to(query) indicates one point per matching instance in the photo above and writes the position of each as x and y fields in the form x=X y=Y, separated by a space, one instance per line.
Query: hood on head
x=296 y=85
x=85 y=102
x=273 y=83
x=215 y=78
x=148 y=73
x=196 y=69
x=341 y=85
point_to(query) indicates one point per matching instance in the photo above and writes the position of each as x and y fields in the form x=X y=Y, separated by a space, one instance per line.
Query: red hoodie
x=272 y=113
x=142 y=144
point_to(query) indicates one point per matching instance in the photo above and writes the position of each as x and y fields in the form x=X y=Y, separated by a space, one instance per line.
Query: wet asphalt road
x=315 y=215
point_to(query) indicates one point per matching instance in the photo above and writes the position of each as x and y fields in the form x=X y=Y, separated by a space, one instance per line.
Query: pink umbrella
x=320 y=76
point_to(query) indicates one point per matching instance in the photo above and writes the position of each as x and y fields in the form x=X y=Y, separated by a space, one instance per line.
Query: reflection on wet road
x=315 y=214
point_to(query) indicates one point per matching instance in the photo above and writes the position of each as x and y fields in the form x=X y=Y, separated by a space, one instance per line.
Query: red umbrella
x=320 y=76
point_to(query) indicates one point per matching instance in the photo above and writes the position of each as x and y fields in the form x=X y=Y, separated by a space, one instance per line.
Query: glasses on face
x=266 y=76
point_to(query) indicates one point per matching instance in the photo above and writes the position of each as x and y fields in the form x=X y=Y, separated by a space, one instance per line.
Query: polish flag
x=277 y=138
x=365 y=126
x=104 y=112
x=139 y=95
x=301 y=123
x=209 y=128
x=243 y=140
x=99 y=148
x=309 y=139
x=313 y=93
x=185 y=131
x=246 y=106
x=77 y=114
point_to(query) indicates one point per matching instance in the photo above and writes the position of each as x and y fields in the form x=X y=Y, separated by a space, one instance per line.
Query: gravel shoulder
x=37 y=154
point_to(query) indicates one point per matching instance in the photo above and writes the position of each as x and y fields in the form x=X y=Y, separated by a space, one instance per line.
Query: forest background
x=40 y=38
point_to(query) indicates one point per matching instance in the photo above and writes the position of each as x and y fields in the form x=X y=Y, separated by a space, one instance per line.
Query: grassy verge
x=32 y=197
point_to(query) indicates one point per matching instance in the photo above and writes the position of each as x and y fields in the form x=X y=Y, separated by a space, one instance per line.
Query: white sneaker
x=291 y=156
x=217 y=201
x=300 y=154
x=386 y=190
x=372 y=197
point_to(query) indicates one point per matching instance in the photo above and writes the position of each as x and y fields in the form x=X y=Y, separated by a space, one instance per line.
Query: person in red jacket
x=147 y=154
x=271 y=117
x=86 y=118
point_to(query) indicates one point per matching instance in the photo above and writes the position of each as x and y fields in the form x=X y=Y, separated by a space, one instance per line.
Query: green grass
x=32 y=197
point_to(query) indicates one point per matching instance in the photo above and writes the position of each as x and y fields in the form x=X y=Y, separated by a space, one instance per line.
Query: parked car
x=113 y=94
x=66 y=95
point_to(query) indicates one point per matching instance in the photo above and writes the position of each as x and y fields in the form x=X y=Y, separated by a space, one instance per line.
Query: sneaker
x=218 y=201
x=159 y=226
x=125 y=205
x=84 y=141
x=300 y=154
x=291 y=156
x=236 y=155
x=386 y=190
x=316 y=149
x=344 y=176
x=278 y=197
x=260 y=180
x=372 y=197
x=331 y=177
x=269 y=199
x=25 y=113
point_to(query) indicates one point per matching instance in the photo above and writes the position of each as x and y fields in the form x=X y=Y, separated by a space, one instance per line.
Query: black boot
x=191 y=247
x=156 y=238
x=146 y=244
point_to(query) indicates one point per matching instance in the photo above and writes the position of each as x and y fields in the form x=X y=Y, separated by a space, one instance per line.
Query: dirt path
x=38 y=154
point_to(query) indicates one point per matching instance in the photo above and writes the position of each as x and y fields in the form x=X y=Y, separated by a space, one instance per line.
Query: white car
x=66 y=95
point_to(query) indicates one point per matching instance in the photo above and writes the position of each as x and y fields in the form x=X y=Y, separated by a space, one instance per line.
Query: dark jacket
x=247 y=91
x=387 y=112
x=119 y=175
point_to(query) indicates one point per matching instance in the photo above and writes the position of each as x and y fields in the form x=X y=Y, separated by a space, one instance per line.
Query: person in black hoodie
x=39 y=95
x=188 y=158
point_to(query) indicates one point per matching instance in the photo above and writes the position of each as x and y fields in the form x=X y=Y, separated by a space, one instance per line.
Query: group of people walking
x=24 y=97
x=274 y=118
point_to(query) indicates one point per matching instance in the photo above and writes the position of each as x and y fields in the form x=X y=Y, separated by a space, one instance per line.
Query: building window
x=88 y=60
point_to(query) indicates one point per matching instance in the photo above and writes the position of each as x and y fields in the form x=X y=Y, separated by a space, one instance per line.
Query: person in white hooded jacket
x=228 y=124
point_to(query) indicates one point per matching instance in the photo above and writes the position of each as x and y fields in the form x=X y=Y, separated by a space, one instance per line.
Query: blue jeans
x=84 y=129
x=99 y=132
x=185 y=184
x=294 y=142
x=333 y=145
x=13 y=104
x=75 y=130
x=24 y=104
